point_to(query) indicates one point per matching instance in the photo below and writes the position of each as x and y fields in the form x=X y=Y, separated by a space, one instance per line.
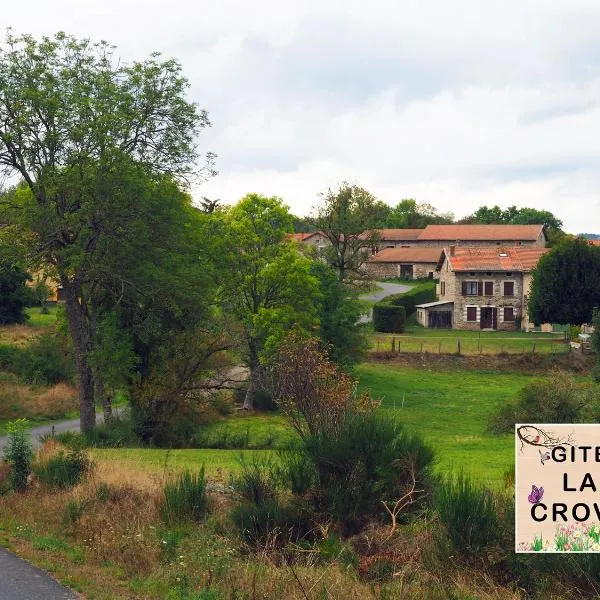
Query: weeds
x=18 y=453
x=184 y=498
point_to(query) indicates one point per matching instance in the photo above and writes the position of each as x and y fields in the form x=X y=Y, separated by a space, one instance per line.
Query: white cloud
x=454 y=103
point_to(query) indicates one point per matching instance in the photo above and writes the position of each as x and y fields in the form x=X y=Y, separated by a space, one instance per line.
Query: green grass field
x=37 y=319
x=446 y=341
x=449 y=409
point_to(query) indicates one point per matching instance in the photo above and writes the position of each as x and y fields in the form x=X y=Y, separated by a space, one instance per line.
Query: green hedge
x=388 y=318
x=420 y=294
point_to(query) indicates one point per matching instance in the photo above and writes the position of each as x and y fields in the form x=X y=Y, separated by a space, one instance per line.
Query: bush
x=63 y=470
x=44 y=361
x=18 y=453
x=273 y=521
x=255 y=482
x=296 y=470
x=419 y=294
x=469 y=512
x=371 y=460
x=184 y=499
x=15 y=294
x=116 y=434
x=559 y=399
x=388 y=318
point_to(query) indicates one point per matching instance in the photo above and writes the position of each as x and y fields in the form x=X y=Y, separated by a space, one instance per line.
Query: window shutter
x=464 y=288
x=489 y=288
x=480 y=288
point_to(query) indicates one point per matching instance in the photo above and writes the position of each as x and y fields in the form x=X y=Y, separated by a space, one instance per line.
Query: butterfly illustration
x=545 y=456
x=536 y=494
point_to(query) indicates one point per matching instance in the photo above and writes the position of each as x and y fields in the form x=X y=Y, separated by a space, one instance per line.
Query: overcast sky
x=456 y=103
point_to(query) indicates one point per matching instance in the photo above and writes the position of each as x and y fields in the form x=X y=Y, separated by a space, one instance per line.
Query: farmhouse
x=406 y=262
x=312 y=239
x=392 y=238
x=483 y=288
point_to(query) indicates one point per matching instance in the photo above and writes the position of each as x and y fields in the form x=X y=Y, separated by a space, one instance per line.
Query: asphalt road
x=21 y=581
x=387 y=289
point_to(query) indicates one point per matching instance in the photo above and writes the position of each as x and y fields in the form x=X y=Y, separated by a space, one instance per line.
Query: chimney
x=452 y=249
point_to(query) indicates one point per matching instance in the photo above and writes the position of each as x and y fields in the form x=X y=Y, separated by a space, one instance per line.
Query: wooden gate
x=440 y=319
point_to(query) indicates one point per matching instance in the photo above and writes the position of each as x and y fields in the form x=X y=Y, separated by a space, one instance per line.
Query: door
x=488 y=317
x=440 y=319
x=406 y=271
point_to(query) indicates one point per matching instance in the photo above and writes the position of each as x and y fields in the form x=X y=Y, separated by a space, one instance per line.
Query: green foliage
x=15 y=296
x=44 y=361
x=388 y=318
x=273 y=521
x=296 y=470
x=339 y=313
x=18 y=453
x=116 y=434
x=559 y=399
x=469 y=513
x=348 y=217
x=370 y=460
x=63 y=470
x=410 y=214
x=566 y=284
x=255 y=481
x=184 y=499
x=418 y=294
x=515 y=216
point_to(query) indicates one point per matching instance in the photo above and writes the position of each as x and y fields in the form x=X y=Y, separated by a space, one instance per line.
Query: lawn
x=449 y=409
x=38 y=319
x=446 y=341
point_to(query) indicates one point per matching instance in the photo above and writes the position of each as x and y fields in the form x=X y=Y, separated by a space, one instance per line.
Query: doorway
x=489 y=317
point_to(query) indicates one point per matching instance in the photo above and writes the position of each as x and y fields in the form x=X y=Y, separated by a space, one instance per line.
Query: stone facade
x=386 y=270
x=483 y=306
x=539 y=243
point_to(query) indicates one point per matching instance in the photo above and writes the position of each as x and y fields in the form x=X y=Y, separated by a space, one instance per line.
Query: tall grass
x=18 y=453
x=63 y=470
x=469 y=512
x=184 y=499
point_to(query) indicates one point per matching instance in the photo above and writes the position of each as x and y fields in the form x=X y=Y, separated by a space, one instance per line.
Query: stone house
x=406 y=262
x=487 y=287
x=483 y=235
x=393 y=238
x=312 y=239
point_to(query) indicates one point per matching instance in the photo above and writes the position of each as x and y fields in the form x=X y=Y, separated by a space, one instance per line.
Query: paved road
x=59 y=427
x=387 y=289
x=21 y=581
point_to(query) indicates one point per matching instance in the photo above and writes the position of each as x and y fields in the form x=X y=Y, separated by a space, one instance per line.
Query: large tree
x=70 y=114
x=410 y=214
x=566 y=284
x=266 y=283
x=348 y=217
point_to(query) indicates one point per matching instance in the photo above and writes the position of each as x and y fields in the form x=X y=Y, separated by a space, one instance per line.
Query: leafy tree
x=347 y=217
x=266 y=284
x=409 y=214
x=70 y=115
x=339 y=313
x=14 y=294
x=566 y=284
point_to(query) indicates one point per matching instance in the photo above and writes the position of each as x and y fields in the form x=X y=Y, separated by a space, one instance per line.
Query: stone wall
x=385 y=270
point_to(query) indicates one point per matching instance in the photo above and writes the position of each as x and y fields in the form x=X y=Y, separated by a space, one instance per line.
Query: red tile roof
x=481 y=232
x=300 y=237
x=594 y=242
x=414 y=254
x=400 y=234
x=522 y=259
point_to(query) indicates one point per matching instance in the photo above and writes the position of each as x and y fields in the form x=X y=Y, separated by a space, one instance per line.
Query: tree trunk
x=254 y=365
x=103 y=396
x=80 y=336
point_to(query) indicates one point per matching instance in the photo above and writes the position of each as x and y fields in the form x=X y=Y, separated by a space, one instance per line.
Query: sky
x=456 y=104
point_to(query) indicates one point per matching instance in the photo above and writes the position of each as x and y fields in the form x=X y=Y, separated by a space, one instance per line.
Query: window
x=471 y=313
x=471 y=288
x=509 y=288
x=509 y=313
x=442 y=288
x=488 y=288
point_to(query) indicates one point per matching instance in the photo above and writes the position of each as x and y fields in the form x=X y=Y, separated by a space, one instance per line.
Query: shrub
x=273 y=521
x=44 y=361
x=14 y=293
x=469 y=512
x=296 y=470
x=116 y=434
x=255 y=482
x=63 y=470
x=559 y=399
x=18 y=453
x=371 y=460
x=388 y=318
x=184 y=499
x=419 y=294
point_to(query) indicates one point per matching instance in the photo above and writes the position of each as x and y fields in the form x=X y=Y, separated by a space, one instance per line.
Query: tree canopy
x=566 y=284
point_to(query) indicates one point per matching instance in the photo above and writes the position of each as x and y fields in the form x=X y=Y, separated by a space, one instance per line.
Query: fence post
x=393 y=344
x=458 y=345
x=421 y=347
x=533 y=348
x=440 y=348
